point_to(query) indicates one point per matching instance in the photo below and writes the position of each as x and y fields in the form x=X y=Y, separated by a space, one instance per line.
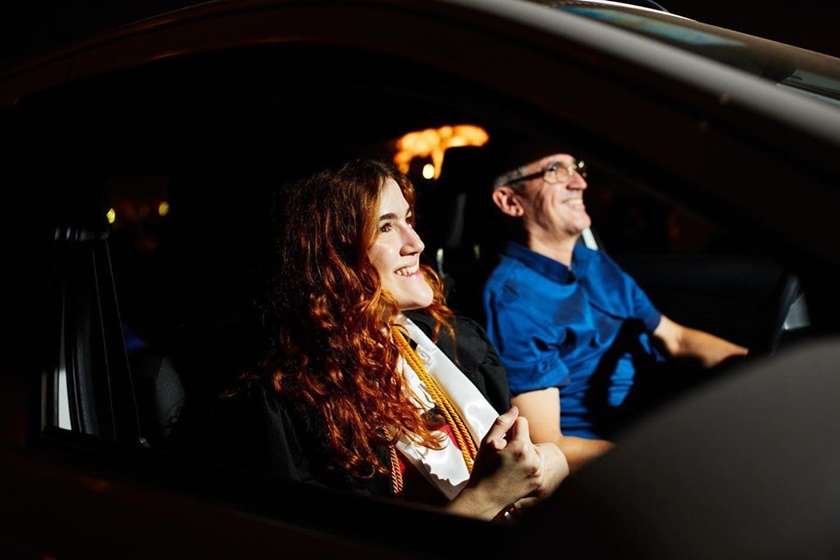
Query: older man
x=571 y=326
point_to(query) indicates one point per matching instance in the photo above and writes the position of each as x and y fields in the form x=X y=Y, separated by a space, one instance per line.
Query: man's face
x=553 y=201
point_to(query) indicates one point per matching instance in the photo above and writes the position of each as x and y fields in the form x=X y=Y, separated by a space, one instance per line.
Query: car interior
x=162 y=229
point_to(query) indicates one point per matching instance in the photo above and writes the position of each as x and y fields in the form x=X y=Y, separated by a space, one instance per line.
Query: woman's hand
x=510 y=469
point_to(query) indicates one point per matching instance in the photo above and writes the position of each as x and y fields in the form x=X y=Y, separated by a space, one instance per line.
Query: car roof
x=485 y=42
x=656 y=25
x=160 y=37
x=785 y=65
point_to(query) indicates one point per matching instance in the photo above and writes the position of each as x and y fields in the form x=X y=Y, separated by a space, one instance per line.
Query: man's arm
x=542 y=409
x=685 y=342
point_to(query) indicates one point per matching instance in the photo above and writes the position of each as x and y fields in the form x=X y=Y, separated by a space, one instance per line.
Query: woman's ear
x=508 y=202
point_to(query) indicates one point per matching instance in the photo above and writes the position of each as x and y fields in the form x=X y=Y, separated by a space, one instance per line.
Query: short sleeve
x=528 y=343
x=642 y=307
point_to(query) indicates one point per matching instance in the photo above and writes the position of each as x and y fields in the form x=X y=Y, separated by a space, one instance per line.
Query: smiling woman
x=397 y=249
x=350 y=403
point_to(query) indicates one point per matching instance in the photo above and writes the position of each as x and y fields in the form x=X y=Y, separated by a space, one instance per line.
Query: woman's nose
x=412 y=242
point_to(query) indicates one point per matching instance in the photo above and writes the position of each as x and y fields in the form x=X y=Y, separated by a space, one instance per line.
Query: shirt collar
x=546 y=266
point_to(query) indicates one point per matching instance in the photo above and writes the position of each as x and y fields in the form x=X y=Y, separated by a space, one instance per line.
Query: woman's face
x=396 y=251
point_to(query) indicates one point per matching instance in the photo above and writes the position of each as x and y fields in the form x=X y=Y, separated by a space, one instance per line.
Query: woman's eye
x=385 y=228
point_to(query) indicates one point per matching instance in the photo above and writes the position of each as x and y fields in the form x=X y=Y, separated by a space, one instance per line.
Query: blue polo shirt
x=556 y=326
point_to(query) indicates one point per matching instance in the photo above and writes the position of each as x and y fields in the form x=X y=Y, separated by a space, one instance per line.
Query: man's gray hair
x=508 y=177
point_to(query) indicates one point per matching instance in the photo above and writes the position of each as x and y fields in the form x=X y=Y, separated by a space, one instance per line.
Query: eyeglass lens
x=562 y=172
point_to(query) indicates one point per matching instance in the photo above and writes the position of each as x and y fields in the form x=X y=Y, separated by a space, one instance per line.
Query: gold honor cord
x=396 y=473
x=459 y=429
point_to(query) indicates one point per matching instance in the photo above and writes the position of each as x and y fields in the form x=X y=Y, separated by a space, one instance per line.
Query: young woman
x=355 y=395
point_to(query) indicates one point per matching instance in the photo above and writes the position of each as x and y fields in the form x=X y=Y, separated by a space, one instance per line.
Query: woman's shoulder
x=428 y=323
x=468 y=332
x=473 y=352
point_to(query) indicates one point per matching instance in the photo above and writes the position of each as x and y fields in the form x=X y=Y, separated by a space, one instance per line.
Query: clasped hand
x=510 y=469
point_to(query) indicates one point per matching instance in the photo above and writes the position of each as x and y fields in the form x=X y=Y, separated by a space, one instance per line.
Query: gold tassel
x=459 y=429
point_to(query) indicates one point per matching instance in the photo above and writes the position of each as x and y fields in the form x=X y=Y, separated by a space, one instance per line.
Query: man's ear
x=508 y=202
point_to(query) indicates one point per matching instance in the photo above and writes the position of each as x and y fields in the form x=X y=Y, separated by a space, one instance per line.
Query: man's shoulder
x=508 y=273
x=597 y=261
x=586 y=254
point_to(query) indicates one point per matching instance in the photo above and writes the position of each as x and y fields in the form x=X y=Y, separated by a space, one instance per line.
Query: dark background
x=30 y=26
x=810 y=24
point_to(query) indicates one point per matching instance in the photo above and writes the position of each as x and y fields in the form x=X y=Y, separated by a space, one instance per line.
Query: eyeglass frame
x=571 y=168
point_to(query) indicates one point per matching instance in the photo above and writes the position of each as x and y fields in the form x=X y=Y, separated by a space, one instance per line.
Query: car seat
x=159 y=391
x=461 y=227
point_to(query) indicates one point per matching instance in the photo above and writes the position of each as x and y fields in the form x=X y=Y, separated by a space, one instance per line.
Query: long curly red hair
x=331 y=353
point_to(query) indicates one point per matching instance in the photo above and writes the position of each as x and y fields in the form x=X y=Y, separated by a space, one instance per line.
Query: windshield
x=808 y=72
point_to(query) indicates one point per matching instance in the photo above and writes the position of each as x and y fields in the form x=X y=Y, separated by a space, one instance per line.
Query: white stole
x=444 y=468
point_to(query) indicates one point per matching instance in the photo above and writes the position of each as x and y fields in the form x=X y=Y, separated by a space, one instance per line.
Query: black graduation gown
x=257 y=430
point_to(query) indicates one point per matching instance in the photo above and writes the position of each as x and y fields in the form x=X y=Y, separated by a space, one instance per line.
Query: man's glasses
x=557 y=172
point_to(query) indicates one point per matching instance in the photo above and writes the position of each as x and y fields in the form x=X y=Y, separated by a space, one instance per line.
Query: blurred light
x=111 y=215
x=432 y=143
x=163 y=208
x=428 y=171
